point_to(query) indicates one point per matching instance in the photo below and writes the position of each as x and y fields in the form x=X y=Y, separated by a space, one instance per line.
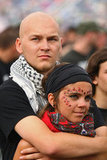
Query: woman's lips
x=79 y=113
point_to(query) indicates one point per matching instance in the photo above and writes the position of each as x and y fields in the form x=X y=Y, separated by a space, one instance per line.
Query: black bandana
x=64 y=75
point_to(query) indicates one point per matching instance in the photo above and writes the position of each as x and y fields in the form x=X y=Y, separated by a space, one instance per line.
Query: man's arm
x=29 y=152
x=64 y=145
x=101 y=131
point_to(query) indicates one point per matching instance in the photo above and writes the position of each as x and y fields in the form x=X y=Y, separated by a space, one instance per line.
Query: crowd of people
x=43 y=96
x=89 y=37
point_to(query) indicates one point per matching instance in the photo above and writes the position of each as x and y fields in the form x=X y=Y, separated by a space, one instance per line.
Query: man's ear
x=60 y=51
x=18 y=45
x=51 y=99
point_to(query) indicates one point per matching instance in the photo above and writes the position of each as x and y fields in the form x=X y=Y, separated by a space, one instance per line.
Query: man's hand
x=31 y=154
x=25 y=151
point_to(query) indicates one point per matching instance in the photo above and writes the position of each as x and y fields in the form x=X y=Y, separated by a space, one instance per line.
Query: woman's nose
x=82 y=103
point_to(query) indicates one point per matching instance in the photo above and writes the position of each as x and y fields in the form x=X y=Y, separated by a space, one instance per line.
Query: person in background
x=69 y=38
x=97 y=69
x=22 y=96
x=84 y=45
x=102 y=39
x=8 y=52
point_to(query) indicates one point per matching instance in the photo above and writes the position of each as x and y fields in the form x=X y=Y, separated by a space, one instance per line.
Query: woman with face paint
x=68 y=90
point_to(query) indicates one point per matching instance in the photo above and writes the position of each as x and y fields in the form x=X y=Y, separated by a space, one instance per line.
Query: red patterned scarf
x=57 y=123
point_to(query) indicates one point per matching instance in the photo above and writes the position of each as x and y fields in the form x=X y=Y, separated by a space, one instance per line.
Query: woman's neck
x=101 y=99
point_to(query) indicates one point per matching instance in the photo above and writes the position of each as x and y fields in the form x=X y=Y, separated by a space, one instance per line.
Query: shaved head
x=35 y=19
x=39 y=41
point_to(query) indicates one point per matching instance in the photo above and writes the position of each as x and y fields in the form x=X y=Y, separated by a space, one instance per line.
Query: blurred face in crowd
x=39 y=41
x=73 y=101
x=101 y=80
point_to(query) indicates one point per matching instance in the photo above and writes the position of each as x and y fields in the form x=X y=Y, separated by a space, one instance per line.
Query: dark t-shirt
x=4 y=71
x=73 y=57
x=14 y=106
x=104 y=114
x=98 y=118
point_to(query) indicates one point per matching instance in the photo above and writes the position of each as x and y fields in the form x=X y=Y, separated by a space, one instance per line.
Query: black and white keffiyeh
x=30 y=81
x=30 y=73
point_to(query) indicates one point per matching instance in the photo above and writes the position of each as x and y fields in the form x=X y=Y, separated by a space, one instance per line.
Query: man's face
x=40 y=45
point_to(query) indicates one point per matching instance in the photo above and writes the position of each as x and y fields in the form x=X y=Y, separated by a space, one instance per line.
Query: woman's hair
x=94 y=63
x=55 y=94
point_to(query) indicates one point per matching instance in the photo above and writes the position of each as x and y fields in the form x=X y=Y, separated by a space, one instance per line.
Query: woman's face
x=74 y=101
x=101 y=80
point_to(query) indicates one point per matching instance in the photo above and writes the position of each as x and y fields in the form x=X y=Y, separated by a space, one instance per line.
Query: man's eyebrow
x=35 y=35
x=53 y=36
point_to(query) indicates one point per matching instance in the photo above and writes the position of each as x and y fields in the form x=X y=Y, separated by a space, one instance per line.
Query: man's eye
x=36 y=39
x=53 y=39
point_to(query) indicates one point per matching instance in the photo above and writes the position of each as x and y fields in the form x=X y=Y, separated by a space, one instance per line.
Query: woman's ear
x=51 y=99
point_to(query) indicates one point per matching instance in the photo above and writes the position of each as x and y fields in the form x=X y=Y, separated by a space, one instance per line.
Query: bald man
x=22 y=96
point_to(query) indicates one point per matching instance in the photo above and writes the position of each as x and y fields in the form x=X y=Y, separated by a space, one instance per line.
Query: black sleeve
x=98 y=119
x=14 y=106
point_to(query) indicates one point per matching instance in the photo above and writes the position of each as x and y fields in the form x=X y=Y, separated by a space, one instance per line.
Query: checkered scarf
x=30 y=81
x=86 y=127
x=30 y=73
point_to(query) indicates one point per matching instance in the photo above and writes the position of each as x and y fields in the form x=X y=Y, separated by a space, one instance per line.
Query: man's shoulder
x=10 y=86
x=11 y=91
x=8 y=83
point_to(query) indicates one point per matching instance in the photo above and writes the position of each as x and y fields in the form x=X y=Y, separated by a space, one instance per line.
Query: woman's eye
x=74 y=96
x=88 y=98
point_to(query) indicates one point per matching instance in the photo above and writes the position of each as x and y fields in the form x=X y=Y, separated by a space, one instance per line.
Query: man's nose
x=45 y=45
